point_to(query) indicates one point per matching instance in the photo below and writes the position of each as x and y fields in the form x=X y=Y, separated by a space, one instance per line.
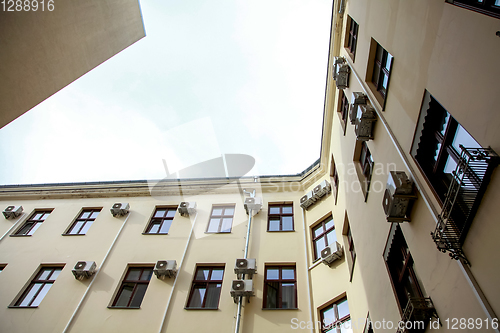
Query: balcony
x=467 y=187
x=417 y=314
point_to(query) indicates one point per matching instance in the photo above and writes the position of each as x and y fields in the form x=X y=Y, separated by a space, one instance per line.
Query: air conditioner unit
x=342 y=76
x=322 y=189
x=242 y=288
x=12 y=212
x=307 y=200
x=84 y=269
x=253 y=204
x=187 y=208
x=357 y=99
x=397 y=197
x=365 y=118
x=331 y=253
x=245 y=266
x=166 y=268
x=337 y=61
x=120 y=209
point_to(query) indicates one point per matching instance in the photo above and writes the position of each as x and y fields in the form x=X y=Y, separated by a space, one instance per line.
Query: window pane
x=274 y=210
x=140 y=290
x=197 y=297
x=318 y=230
x=76 y=228
x=329 y=224
x=202 y=274
x=288 y=295
x=445 y=123
x=85 y=215
x=213 y=293
x=346 y=327
x=94 y=215
x=274 y=225
x=217 y=274
x=328 y=316
x=36 y=226
x=320 y=245
x=272 y=295
x=331 y=237
x=288 y=274
x=229 y=211
x=44 y=274
x=287 y=210
x=497 y=3
x=165 y=226
x=217 y=211
x=226 y=225
x=213 y=225
x=55 y=274
x=125 y=294
x=287 y=223
x=134 y=274
x=465 y=139
x=171 y=213
x=160 y=213
x=37 y=216
x=388 y=62
x=42 y=294
x=450 y=166
x=385 y=81
x=85 y=228
x=343 y=309
x=45 y=215
x=29 y=296
x=146 y=274
x=273 y=274
x=154 y=228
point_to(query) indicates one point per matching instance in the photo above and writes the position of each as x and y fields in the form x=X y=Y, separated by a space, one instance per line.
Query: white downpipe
x=95 y=276
x=178 y=272
x=307 y=267
x=22 y=218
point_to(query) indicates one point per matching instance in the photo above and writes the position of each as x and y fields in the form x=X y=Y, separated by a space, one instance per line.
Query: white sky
x=209 y=78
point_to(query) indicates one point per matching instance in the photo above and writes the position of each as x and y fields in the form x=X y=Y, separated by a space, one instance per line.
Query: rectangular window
x=33 y=223
x=206 y=287
x=280 y=287
x=379 y=71
x=39 y=287
x=323 y=235
x=336 y=318
x=350 y=242
x=133 y=288
x=161 y=221
x=352 y=36
x=343 y=109
x=487 y=7
x=221 y=219
x=2 y=267
x=335 y=178
x=280 y=217
x=83 y=222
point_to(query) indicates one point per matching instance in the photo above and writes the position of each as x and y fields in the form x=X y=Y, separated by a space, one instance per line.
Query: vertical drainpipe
x=240 y=298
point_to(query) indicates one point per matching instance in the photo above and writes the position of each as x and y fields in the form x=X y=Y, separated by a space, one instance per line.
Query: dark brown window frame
x=352 y=37
x=205 y=282
x=136 y=283
x=89 y=220
x=350 y=243
x=366 y=162
x=221 y=219
x=335 y=179
x=280 y=281
x=335 y=326
x=377 y=71
x=34 y=222
x=487 y=7
x=34 y=281
x=155 y=220
x=343 y=110
x=2 y=267
x=324 y=234
x=279 y=216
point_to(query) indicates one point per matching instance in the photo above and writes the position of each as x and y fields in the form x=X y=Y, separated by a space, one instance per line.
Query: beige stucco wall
x=43 y=51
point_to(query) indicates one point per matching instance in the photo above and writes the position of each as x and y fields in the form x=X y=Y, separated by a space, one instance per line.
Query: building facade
x=408 y=149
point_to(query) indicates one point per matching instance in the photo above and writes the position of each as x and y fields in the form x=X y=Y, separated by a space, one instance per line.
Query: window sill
x=72 y=234
x=22 y=307
x=186 y=308
x=217 y=232
x=315 y=263
x=280 y=230
x=158 y=233
x=124 y=308
x=20 y=235
x=280 y=308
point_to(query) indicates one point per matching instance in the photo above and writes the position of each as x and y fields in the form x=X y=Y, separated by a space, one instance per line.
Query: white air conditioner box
x=12 y=212
x=84 y=269
x=307 y=200
x=331 y=253
x=242 y=288
x=342 y=76
x=166 y=268
x=357 y=99
x=365 y=118
x=254 y=204
x=245 y=266
x=120 y=209
x=398 y=195
x=322 y=189
x=187 y=208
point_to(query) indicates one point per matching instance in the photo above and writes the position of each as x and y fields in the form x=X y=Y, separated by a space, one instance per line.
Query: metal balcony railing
x=417 y=314
x=468 y=184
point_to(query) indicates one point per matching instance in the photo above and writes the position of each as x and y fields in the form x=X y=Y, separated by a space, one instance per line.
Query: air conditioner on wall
x=165 y=268
x=245 y=266
x=357 y=99
x=242 y=288
x=120 y=209
x=187 y=208
x=331 y=253
x=12 y=212
x=84 y=269
x=254 y=204
x=307 y=200
x=322 y=189
x=365 y=119
x=398 y=196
